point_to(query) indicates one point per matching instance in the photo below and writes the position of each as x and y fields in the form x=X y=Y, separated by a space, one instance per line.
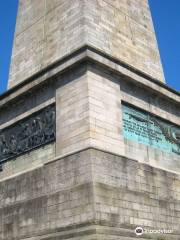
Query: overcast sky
x=166 y=17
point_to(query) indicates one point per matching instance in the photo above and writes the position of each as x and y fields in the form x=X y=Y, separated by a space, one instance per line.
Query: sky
x=8 y=12
x=166 y=20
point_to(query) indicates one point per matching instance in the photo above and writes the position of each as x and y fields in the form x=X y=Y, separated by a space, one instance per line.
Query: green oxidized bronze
x=148 y=129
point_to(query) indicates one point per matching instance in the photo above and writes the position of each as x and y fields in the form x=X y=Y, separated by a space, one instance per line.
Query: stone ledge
x=109 y=152
x=84 y=54
x=95 y=230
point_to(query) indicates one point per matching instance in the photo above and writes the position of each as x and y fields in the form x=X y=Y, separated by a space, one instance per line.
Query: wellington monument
x=89 y=130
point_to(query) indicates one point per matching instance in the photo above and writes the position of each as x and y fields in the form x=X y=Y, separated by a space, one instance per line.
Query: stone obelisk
x=47 y=31
x=89 y=130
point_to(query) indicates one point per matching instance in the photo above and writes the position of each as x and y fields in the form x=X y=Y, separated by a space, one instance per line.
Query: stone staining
x=147 y=129
x=27 y=134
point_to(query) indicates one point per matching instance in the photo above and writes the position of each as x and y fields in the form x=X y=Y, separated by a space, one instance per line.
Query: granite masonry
x=89 y=131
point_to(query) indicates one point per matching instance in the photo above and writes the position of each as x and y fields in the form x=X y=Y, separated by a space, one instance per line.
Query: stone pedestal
x=101 y=156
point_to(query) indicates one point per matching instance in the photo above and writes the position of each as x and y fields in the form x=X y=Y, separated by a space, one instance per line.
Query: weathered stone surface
x=133 y=194
x=57 y=195
x=65 y=198
x=91 y=183
x=31 y=99
x=88 y=108
x=72 y=108
x=47 y=30
x=68 y=190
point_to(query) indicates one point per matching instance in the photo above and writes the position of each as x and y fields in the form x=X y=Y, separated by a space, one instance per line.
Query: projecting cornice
x=90 y=54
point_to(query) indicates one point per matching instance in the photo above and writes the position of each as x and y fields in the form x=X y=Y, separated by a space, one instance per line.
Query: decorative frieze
x=150 y=130
x=27 y=134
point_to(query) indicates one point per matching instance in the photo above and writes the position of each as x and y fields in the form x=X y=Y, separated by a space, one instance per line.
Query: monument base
x=91 y=194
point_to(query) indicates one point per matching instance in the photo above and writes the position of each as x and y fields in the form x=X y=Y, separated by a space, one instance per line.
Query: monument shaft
x=47 y=30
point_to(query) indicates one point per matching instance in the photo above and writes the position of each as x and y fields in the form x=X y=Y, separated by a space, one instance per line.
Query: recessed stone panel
x=27 y=134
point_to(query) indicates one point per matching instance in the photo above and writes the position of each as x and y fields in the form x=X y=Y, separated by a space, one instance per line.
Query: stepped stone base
x=90 y=195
